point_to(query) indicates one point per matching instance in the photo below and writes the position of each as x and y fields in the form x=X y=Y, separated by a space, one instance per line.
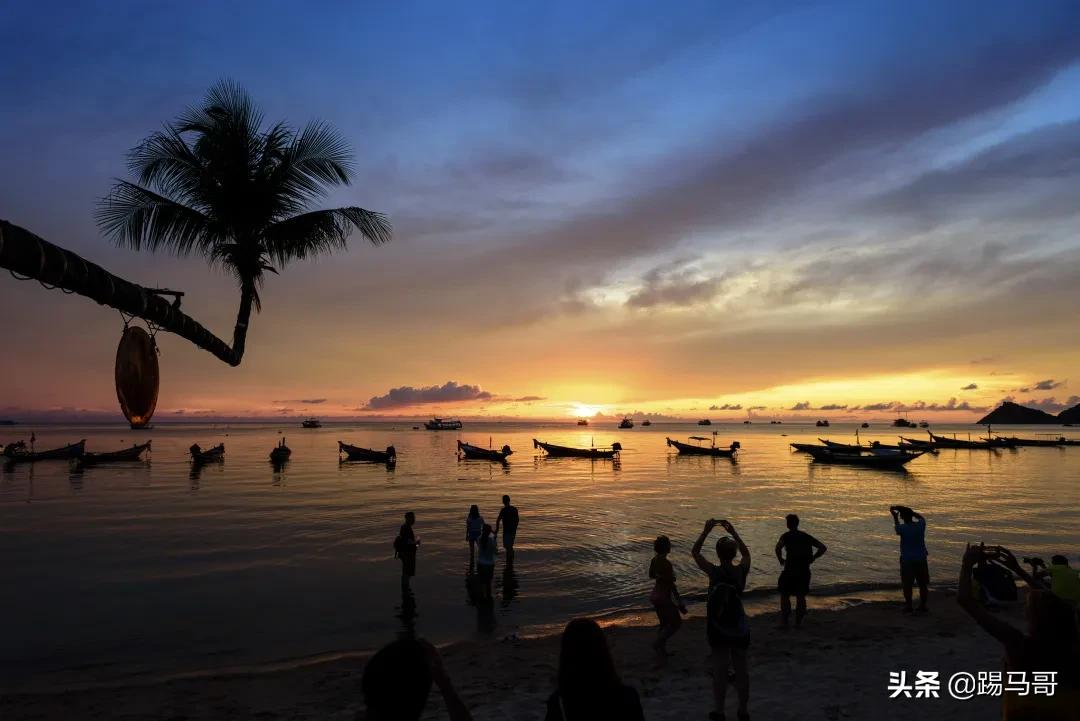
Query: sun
x=582 y=410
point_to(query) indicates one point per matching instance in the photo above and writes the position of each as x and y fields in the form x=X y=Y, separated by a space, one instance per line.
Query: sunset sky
x=787 y=210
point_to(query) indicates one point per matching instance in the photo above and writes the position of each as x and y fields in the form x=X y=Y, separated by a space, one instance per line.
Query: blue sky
x=576 y=181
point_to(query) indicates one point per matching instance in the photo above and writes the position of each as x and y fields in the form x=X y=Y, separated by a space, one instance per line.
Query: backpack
x=726 y=617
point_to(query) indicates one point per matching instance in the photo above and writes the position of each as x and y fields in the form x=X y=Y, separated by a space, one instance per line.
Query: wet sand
x=836 y=667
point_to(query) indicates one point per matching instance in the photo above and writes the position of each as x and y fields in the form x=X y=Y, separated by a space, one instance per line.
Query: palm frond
x=140 y=218
x=322 y=231
x=166 y=163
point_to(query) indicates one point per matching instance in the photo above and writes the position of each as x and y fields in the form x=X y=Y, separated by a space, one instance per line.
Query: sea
x=139 y=571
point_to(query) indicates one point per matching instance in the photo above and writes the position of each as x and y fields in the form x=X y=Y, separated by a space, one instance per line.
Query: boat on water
x=865 y=425
x=822 y=424
x=601 y=452
x=805 y=447
x=692 y=449
x=924 y=424
x=125 y=455
x=443 y=424
x=210 y=455
x=646 y=422
x=19 y=452
x=883 y=458
x=281 y=453
x=369 y=455
x=583 y=422
x=1035 y=442
x=904 y=423
x=704 y=422
x=467 y=450
x=311 y=423
x=982 y=443
x=626 y=422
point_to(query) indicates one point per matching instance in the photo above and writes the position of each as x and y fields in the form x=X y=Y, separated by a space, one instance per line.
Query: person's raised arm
x=918 y=517
x=696 y=550
x=779 y=550
x=1004 y=557
x=993 y=625
x=743 y=550
x=455 y=707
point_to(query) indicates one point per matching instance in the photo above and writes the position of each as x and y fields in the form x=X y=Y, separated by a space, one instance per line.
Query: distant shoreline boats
x=704 y=422
x=646 y=422
x=582 y=422
x=626 y=422
x=443 y=424
x=311 y=423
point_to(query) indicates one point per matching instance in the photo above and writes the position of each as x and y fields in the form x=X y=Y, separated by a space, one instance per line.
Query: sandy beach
x=836 y=667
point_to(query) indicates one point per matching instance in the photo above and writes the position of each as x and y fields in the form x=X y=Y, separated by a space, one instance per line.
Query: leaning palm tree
x=217 y=183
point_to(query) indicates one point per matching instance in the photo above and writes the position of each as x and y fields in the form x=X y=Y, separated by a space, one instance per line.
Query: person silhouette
x=397 y=680
x=795 y=550
x=913 y=554
x=508 y=519
x=474 y=524
x=405 y=547
x=589 y=687
x=726 y=625
x=665 y=596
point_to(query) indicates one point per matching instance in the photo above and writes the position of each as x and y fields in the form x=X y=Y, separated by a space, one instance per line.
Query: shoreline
x=839 y=662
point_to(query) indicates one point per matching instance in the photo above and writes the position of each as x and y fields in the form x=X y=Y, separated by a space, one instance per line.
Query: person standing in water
x=405 y=547
x=913 y=554
x=485 y=560
x=801 y=550
x=474 y=525
x=665 y=596
x=726 y=625
x=508 y=519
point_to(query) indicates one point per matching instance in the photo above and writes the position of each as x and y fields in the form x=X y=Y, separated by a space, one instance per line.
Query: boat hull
x=871 y=460
x=369 y=455
x=689 y=449
x=16 y=453
x=477 y=453
x=210 y=455
x=127 y=455
x=567 y=452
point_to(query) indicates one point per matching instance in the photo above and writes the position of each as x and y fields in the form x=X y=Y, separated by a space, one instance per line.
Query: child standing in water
x=474 y=525
x=665 y=596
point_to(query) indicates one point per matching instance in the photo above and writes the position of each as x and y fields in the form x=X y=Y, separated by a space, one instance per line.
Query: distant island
x=4 y=422
x=1015 y=414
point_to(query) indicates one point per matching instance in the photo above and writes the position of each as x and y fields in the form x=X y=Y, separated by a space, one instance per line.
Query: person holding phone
x=913 y=555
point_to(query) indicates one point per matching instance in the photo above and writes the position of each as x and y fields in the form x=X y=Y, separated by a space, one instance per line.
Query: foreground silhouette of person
x=726 y=625
x=474 y=524
x=485 y=561
x=1049 y=644
x=589 y=688
x=405 y=547
x=913 y=554
x=665 y=596
x=508 y=519
x=795 y=550
x=397 y=681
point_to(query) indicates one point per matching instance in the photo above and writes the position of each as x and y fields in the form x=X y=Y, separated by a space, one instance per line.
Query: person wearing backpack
x=726 y=624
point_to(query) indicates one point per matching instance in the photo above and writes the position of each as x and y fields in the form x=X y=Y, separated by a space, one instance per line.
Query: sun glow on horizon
x=583 y=410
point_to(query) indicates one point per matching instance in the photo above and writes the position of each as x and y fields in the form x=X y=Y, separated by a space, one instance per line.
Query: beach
x=836 y=667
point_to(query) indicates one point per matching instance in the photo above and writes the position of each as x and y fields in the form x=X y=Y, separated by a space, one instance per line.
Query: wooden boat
x=923 y=424
x=872 y=459
x=903 y=423
x=553 y=450
x=916 y=442
x=281 y=453
x=582 y=422
x=865 y=425
x=646 y=422
x=311 y=423
x=356 y=453
x=805 y=447
x=18 y=452
x=626 y=422
x=1035 y=442
x=704 y=422
x=984 y=444
x=125 y=455
x=442 y=424
x=210 y=455
x=822 y=424
x=470 y=451
x=690 y=449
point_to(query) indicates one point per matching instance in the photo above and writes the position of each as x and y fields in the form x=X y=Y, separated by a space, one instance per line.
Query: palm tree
x=216 y=183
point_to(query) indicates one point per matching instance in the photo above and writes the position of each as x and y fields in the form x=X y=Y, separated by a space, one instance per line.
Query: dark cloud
x=726 y=407
x=970 y=387
x=529 y=399
x=449 y=392
x=803 y=406
x=953 y=404
x=676 y=284
x=1048 y=385
x=832 y=407
x=756 y=408
x=305 y=401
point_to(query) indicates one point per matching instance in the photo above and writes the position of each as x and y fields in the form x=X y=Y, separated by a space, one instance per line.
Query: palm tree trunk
x=243 y=317
x=26 y=254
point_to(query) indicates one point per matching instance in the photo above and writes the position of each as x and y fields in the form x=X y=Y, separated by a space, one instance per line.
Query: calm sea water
x=148 y=569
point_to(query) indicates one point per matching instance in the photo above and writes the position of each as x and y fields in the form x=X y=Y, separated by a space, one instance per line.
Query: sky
x=696 y=209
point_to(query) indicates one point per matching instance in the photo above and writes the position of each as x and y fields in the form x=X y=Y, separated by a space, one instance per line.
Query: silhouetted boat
x=126 y=455
x=923 y=424
x=442 y=424
x=566 y=451
x=690 y=449
x=704 y=422
x=805 y=447
x=646 y=422
x=873 y=459
x=468 y=450
x=1034 y=442
x=822 y=424
x=356 y=453
x=312 y=423
x=984 y=444
x=903 y=423
x=582 y=422
x=865 y=425
x=281 y=453
x=626 y=422
x=210 y=455
x=18 y=452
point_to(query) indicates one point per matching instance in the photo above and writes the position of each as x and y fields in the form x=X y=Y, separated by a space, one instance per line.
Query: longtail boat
x=126 y=455
x=872 y=459
x=805 y=447
x=356 y=453
x=467 y=450
x=984 y=443
x=690 y=449
x=1035 y=442
x=18 y=452
x=280 y=453
x=553 y=450
x=210 y=455
x=874 y=446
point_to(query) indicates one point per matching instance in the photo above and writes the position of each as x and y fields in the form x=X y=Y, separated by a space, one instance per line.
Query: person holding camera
x=913 y=554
